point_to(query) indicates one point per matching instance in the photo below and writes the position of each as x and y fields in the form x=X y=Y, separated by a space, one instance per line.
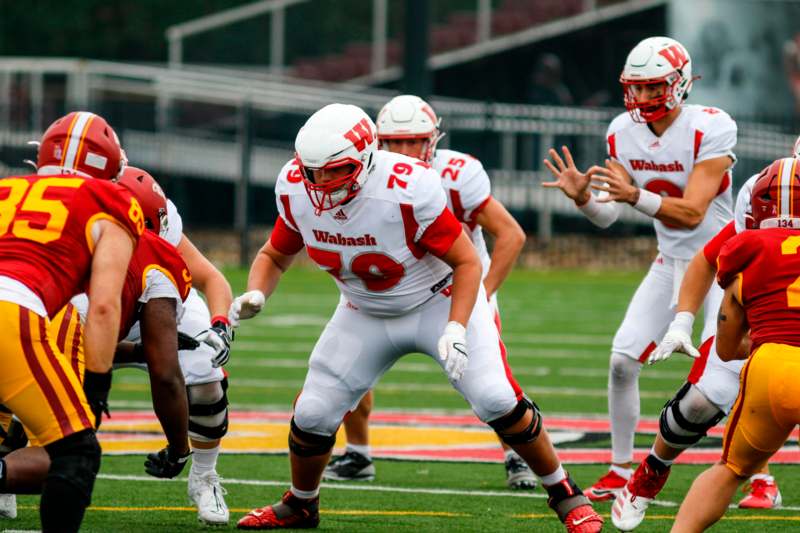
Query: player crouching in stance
x=759 y=271
x=410 y=281
x=408 y=125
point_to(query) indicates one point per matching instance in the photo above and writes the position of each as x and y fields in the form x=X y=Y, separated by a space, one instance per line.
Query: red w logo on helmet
x=361 y=135
x=675 y=55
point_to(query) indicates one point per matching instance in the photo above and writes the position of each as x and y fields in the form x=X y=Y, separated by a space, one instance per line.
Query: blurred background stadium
x=209 y=95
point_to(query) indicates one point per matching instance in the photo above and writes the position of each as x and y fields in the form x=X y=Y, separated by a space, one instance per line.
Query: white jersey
x=468 y=191
x=663 y=164
x=174 y=225
x=380 y=246
x=742 y=208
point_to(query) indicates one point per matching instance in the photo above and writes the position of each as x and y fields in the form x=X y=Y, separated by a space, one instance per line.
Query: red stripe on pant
x=700 y=363
x=38 y=373
x=62 y=377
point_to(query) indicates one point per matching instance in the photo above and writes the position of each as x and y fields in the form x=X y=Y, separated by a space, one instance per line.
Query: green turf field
x=558 y=328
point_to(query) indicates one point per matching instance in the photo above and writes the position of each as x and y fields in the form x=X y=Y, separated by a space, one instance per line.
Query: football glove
x=96 y=386
x=186 y=342
x=166 y=463
x=677 y=339
x=453 y=350
x=246 y=306
x=219 y=337
x=13 y=437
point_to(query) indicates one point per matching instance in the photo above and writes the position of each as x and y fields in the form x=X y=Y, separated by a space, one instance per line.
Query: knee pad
x=687 y=417
x=623 y=371
x=75 y=461
x=313 y=445
x=529 y=434
x=208 y=410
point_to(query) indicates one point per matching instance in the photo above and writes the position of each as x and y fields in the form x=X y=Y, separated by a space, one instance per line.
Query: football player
x=672 y=162
x=690 y=414
x=408 y=125
x=410 y=282
x=61 y=230
x=759 y=271
x=156 y=283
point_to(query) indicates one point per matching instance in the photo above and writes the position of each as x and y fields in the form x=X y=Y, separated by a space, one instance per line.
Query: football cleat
x=352 y=466
x=632 y=502
x=583 y=519
x=606 y=487
x=8 y=506
x=763 y=494
x=519 y=475
x=208 y=496
x=290 y=512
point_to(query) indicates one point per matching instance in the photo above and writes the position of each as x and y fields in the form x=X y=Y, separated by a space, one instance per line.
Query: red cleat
x=583 y=519
x=764 y=494
x=606 y=487
x=290 y=512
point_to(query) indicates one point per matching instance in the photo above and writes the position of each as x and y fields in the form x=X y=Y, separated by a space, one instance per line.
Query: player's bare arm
x=206 y=278
x=267 y=268
x=113 y=249
x=687 y=212
x=466 y=266
x=509 y=240
x=696 y=282
x=160 y=347
x=731 y=324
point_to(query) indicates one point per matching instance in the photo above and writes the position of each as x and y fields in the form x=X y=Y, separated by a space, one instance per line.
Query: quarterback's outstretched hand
x=246 y=306
x=677 y=339
x=569 y=179
x=453 y=350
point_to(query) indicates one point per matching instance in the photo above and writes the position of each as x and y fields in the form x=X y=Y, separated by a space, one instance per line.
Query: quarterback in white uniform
x=410 y=281
x=670 y=161
x=675 y=434
x=408 y=125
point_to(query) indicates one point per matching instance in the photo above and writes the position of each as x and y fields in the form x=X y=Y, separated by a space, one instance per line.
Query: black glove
x=219 y=336
x=185 y=342
x=166 y=463
x=12 y=438
x=96 y=386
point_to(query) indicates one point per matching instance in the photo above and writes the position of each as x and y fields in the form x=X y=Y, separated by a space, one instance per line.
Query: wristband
x=648 y=203
x=220 y=318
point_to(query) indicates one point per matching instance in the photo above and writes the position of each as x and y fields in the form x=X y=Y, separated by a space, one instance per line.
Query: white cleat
x=8 y=506
x=628 y=511
x=208 y=496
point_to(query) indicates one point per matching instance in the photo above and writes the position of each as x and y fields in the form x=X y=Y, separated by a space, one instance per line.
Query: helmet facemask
x=326 y=196
x=655 y=108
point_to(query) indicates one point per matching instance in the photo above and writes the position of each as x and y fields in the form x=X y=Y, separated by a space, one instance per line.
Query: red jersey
x=152 y=253
x=767 y=263
x=45 y=231
x=713 y=247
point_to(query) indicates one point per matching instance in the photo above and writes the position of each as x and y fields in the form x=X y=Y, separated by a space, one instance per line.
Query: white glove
x=246 y=306
x=453 y=350
x=677 y=339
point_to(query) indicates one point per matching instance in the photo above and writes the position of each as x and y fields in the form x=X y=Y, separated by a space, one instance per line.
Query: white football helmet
x=656 y=60
x=335 y=136
x=410 y=117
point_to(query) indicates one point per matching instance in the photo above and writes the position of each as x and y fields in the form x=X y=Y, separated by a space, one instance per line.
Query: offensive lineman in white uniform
x=670 y=161
x=701 y=414
x=410 y=281
x=409 y=126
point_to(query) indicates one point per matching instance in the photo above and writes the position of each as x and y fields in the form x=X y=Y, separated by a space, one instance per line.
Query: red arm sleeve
x=712 y=248
x=441 y=234
x=284 y=239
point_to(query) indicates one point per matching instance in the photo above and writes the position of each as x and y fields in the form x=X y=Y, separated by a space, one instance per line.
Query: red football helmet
x=151 y=197
x=80 y=143
x=775 y=200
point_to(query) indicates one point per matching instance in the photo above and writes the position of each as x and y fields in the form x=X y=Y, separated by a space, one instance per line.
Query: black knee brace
x=695 y=430
x=313 y=445
x=75 y=460
x=210 y=409
x=529 y=434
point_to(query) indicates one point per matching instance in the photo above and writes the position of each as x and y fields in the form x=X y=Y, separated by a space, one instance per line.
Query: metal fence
x=232 y=130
